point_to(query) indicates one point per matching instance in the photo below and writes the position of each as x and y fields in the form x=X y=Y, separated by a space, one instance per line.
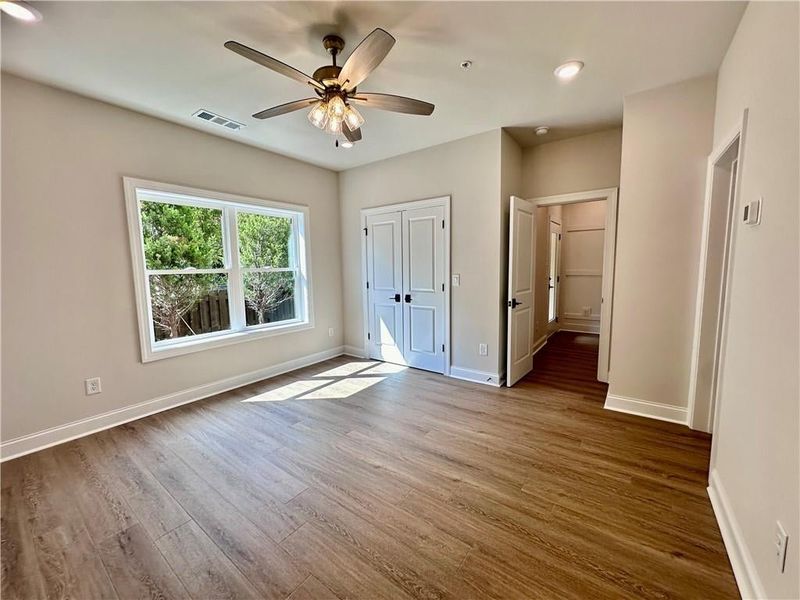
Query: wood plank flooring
x=354 y=479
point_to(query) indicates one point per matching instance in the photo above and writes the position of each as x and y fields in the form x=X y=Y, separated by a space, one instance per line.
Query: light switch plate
x=751 y=214
x=456 y=280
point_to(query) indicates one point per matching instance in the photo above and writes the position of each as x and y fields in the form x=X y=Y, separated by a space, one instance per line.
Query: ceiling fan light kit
x=335 y=86
x=353 y=118
x=319 y=115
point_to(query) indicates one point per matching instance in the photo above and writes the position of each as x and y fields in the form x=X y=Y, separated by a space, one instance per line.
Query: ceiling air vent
x=207 y=115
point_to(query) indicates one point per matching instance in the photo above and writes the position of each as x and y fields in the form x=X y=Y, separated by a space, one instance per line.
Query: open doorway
x=570 y=263
x=721 y=191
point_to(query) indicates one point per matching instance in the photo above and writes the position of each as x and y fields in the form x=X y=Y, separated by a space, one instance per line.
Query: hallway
x=568 y=362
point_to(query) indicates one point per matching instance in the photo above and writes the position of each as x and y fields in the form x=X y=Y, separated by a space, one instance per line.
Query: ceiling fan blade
x=282 y=109
x=367 y=55
x=394 y=103
x=352 y=136
x=273 y=63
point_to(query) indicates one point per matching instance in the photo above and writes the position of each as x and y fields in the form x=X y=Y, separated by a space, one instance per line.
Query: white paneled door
x=385 y=286
x=424 y=281
x=520 y=290
x=406 y=280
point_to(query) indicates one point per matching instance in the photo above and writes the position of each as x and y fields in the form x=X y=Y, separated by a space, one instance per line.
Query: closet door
x=423 y=283
x=385 y=281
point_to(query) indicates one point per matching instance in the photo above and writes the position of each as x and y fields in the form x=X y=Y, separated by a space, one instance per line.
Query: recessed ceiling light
x=542 y=130
x=568 y=70
x=346 y=144
x=20 y=10
x=466 y=64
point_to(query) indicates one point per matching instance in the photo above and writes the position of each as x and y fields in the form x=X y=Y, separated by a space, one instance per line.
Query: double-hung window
x=211 y=269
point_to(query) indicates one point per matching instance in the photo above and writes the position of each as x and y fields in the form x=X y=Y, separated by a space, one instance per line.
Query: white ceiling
x=166 y=59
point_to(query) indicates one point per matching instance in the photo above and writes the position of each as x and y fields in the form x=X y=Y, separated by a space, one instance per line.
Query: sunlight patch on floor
x=384 y=369
x=347 y=369
x=290 y=390
x=342 y=388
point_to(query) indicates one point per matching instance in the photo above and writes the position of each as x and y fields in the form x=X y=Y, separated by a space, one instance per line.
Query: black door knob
x=408 y=298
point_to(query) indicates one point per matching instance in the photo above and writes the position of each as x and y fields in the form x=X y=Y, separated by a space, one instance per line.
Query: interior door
x=521 y=266
x=385 y=286
x=424 y=280
x=553 y=276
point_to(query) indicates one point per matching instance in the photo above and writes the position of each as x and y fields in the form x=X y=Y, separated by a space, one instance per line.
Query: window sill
x=218 y=340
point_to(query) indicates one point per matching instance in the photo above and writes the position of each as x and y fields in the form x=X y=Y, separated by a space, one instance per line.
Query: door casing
x=708 y=421
x=443 y=201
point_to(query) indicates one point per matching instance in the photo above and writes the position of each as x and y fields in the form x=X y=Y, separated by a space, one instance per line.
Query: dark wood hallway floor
x=355 y=479
x=568 y=362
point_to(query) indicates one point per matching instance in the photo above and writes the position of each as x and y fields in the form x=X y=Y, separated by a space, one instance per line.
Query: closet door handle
x=396 y=298
x=408 y=298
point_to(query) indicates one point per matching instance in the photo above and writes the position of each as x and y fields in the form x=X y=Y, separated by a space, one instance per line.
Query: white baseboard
x=76 y=429
x=539 y=344
x=579 y=326
x=643 y=408
x=744 y=569
x=355 y=352
x=484 y=377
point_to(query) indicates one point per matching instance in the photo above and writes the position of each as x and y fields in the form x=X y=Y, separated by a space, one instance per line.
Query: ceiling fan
x=332 y=110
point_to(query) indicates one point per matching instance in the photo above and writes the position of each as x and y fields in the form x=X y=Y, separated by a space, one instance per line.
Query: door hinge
x=442 y=347
x=366 y=231
x=368 y=285
x=558 y=278
x=368 y=336
x=559 y=236
x=442 y=287
x=442 y=223
x=556 y=319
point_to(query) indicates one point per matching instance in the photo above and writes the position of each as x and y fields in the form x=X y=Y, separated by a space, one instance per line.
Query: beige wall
x=667 y=136
x=583 y=234
x=68 y=308
x=585 y=162
x=756 y=455
x=468 y=170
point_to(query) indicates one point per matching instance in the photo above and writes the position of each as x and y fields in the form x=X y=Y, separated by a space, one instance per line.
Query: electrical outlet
x=781 y=544
x=587 y=311
x=93 y=386
x=483 y=350
x=330 y=331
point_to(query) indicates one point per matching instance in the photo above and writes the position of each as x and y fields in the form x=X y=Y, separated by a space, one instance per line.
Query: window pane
x=264 y=240
x=186 y=305
x=269 y=297
x=181 y=237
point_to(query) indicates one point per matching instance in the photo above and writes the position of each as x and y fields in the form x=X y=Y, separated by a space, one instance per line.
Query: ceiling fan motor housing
x=328 y=75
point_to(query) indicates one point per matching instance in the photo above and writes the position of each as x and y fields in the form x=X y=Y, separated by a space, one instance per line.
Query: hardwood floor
x=352 y=479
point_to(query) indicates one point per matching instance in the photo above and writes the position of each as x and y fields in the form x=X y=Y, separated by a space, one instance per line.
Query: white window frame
x=138 y=190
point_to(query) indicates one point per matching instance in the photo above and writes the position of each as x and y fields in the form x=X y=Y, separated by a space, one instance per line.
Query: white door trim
x=738 y=133
x=428 y=202
x=610 y=195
